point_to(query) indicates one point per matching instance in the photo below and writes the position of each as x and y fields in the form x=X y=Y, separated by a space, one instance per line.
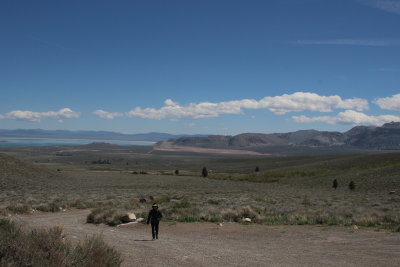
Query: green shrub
x=335 y=184
x=352 y=186
x=204 y=172
x=306 y=201
x=188 y=218
x=215 y=219
x=275 y=220
x=213 y=201
x=79 y=204
x=184 y=204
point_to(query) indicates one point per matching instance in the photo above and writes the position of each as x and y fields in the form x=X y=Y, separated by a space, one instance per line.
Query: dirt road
x=206 y=244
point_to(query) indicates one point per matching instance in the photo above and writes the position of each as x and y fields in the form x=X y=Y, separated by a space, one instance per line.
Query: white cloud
x=301 y=101
x=392 y=6
x=349 y=117
x=354 y=42
x=107 y=115
x=193 y=110
x=26 y=115
x=297 y=102
x=389 y=103
x=169 y=102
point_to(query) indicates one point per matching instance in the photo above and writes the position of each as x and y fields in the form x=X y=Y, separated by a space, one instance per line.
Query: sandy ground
x=206 y=244
x=171 y=148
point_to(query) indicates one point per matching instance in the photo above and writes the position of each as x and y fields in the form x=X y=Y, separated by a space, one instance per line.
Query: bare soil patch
x=190 y=149
x=207 y=244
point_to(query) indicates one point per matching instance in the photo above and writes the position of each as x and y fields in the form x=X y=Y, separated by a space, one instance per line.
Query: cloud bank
x=107 y=115
x=389 y=103
x=26 y=115
x=280 y=105
x=349 y=117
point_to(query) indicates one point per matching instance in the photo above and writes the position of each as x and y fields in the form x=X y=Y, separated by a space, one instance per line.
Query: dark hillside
x=386 y=137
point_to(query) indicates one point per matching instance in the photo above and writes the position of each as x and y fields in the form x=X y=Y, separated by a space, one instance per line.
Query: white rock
x=139 y=219
x=126 y=224
x=246 y=220
x=128 y=217
x=131 y=216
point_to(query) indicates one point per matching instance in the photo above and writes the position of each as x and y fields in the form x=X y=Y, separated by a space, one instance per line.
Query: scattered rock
x=126 y=224
x=142 y=200
x=132 y=216
x=220 y=224
x=140 y=219
x=246 y=220
x=355 y=227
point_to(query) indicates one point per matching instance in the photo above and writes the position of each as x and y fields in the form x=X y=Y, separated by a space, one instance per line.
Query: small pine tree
x=257 y=169
x=176 y=172
x=335 y=184
x=352 y=186
x=204 y=172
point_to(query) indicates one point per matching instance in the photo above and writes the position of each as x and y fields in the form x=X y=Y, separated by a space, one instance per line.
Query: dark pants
x=154 y=229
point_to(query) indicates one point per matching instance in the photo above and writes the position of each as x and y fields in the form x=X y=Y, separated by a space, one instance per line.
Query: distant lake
x=66 y=142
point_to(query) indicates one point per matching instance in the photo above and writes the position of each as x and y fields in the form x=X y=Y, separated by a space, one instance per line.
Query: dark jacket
x=154 y=216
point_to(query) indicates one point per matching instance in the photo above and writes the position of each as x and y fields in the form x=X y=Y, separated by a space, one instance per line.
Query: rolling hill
x=386 y=137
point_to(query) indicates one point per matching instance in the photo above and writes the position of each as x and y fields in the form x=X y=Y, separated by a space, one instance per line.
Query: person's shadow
x=141 y=240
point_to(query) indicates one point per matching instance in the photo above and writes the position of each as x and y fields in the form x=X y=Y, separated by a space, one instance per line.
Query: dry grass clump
x=48 y=247
x=236 y=214
x=109 y=216
x=184 y=211
x=19 y=209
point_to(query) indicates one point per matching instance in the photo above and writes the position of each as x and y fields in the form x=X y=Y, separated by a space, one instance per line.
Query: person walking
x=154 y=217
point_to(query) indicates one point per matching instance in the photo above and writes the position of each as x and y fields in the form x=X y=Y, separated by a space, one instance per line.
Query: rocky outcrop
x=385 y=137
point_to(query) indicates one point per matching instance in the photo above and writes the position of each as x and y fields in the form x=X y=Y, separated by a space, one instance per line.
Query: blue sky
x=215 y=67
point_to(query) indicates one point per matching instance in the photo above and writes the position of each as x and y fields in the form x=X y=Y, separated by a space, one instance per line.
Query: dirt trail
x=206 y=244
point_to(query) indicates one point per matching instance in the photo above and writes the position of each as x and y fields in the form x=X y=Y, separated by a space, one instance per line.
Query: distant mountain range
x=386 y=137
x=96 y=135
